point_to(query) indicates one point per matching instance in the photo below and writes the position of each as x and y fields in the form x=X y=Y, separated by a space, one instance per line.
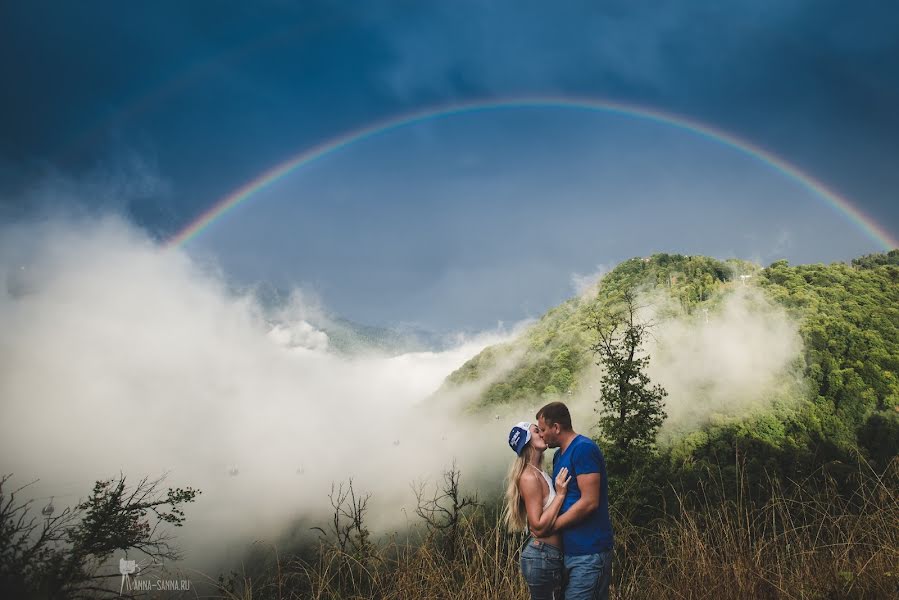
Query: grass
x=804 y=542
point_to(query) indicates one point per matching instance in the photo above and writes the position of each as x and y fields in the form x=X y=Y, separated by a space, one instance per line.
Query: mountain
x=839 y=394
x=550 y=359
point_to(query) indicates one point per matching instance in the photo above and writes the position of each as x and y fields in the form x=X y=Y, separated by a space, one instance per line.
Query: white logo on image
x=130 y=569
x=126 y=568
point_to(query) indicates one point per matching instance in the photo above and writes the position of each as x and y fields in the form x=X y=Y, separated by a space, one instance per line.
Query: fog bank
x=119 y=355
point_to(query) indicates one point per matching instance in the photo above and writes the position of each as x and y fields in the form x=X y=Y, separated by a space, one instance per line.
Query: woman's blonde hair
x=514 y=514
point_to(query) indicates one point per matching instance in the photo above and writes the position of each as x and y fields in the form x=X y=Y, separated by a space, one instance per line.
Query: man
x=584 y=518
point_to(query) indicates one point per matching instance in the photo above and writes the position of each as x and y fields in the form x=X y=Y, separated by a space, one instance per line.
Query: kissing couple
x=568 y=553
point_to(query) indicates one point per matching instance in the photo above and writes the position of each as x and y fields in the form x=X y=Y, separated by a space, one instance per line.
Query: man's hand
x=562 y=481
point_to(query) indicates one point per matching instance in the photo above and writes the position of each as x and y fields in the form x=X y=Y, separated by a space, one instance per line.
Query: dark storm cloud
x=211 y=89
x=815 y=82
x=214 y=93
x=795 y=74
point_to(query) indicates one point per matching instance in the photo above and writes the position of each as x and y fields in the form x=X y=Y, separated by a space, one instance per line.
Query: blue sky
x=156 y=110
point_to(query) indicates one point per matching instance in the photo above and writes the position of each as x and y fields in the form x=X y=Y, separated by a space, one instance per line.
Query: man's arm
x=588 y=502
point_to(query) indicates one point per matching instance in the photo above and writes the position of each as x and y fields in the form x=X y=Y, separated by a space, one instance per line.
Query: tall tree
x=632 y=410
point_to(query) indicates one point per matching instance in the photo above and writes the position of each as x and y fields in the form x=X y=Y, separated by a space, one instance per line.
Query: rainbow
x=840 y=204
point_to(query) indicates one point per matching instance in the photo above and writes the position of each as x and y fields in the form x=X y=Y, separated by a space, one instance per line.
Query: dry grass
x=483 y=565
x=799 y=544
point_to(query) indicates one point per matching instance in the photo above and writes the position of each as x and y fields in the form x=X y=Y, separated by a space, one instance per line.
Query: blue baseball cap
x=520 y=436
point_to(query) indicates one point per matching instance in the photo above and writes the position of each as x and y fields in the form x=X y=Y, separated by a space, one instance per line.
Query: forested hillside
x=556 y=349
x=848 y=316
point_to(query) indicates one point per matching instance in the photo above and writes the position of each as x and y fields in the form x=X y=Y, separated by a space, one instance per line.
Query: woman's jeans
x=542 y=566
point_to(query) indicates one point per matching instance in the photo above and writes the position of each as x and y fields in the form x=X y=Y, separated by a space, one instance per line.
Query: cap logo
x=515 y=437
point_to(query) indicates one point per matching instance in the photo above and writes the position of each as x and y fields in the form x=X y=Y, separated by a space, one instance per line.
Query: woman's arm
x=541 y=521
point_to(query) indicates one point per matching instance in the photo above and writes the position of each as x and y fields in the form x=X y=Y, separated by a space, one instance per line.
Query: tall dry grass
x=483 y=564
x=804 y=542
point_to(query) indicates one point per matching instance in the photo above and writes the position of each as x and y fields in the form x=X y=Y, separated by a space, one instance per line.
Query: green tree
x=66 y=555
x=632 y=410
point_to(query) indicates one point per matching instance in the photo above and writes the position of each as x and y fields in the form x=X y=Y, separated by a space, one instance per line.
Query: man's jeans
x=589 y=576
x=542 y=566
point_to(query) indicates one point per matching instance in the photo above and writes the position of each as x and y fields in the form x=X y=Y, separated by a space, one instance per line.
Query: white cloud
x=118 y=354
x=737 y=357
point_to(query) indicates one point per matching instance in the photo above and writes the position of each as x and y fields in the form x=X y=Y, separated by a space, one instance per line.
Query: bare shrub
x=443 y=510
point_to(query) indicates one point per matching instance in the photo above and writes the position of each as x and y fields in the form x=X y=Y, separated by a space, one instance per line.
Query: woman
x=531 y=502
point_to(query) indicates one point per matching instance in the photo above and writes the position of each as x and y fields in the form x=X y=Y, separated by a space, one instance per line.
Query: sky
x=156 y=111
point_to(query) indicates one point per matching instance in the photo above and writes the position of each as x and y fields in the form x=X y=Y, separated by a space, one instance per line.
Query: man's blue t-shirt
x=594 y=533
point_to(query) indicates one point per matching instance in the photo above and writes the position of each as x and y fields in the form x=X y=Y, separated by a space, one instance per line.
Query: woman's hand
x=562 y=480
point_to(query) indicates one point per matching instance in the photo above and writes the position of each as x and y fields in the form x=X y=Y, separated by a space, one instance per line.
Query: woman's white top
x=552 y=489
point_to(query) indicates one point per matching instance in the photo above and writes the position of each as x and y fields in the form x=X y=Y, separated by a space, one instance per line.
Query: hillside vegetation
x=848 y=316
x=556 y=348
